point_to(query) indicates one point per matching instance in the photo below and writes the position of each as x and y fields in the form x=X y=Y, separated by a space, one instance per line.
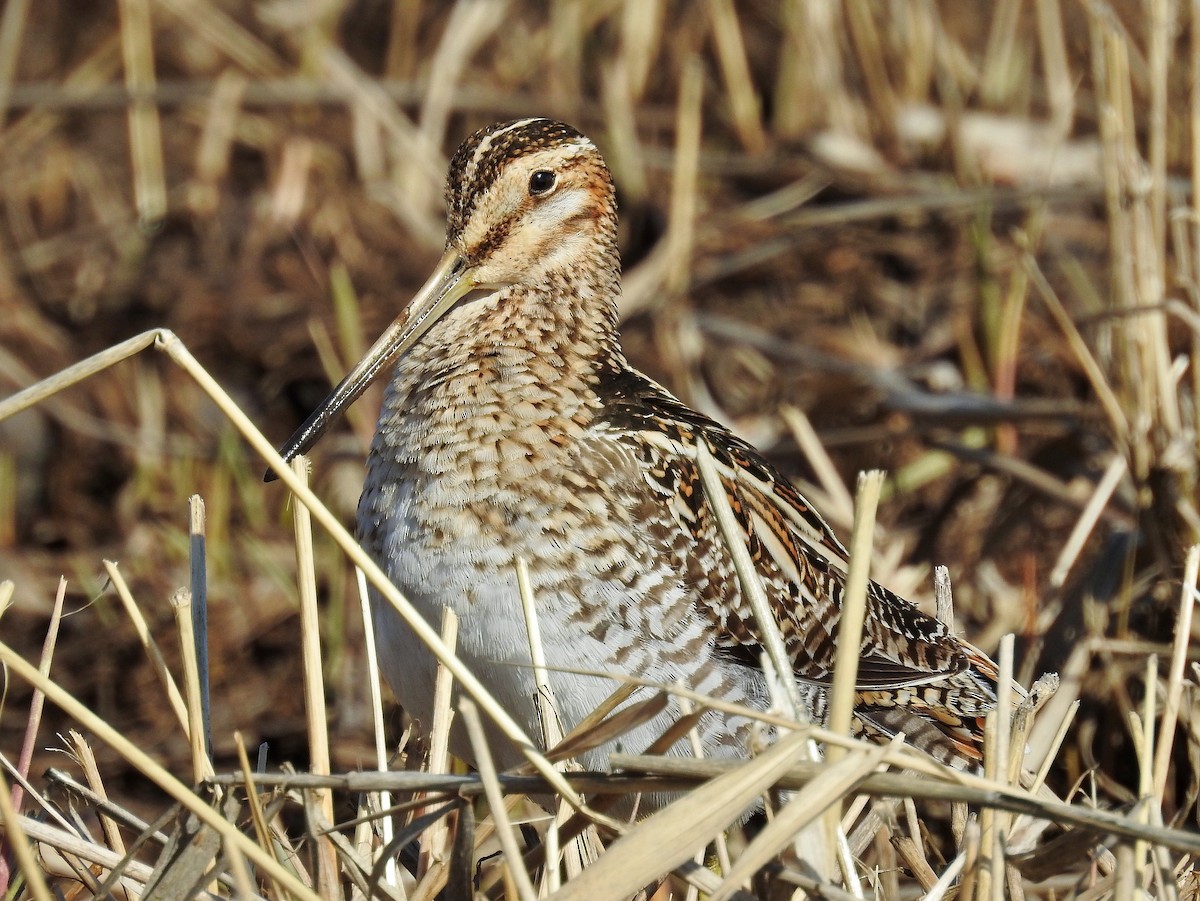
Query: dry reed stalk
x=1143 y=736
x=624 y=154
x=850 y=627
x=840 y=507
x=1161 y=29
x=216 y=28
x=983 y=793
x=811 y=90
x=1000 y=58
x=580 y=851
x=151 y=769
x=681 y=231
x=37 y=702
x=314 y=681
x=945 y=882
x=383 y=798
x=1113 y=474
x=1097 y=378
x=161 y=670
x=641 y=36
x=468 y=26
x=215 y=147
x=17 y=840
x=87 y=759
x=820 y=796
x=670 y=837
x=997 y=767
x=720 y=845
x=504 y=829
x=262 y=829
x=61 y=850
x=1194 y=210
x=181 y=604
x=435 y=841
x=241 y=873
x=744 y=106
x=12 y=28
x=1060 y=85
x=748 y=580
x=1183 y=634
x=145 y=131
x=853 y=612
x=864 y=37
x=407 y=142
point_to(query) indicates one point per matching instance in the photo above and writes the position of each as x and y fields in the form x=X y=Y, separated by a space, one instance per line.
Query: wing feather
x=909 y=661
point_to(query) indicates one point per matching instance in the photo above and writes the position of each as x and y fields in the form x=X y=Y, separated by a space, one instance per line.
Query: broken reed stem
x=181 y=603
x=83 y=752
x=314 y=682
x=38 y=701
x=815 y=843
x=198 y=560
x=943 y=596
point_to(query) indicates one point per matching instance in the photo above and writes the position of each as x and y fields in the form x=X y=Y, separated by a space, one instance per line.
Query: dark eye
x=541 y=182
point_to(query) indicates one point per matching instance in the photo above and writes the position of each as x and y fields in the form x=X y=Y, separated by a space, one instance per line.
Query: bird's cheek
x=510 y=262
x=499 y=270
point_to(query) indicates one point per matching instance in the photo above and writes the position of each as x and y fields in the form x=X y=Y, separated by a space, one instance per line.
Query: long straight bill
x=449 y=283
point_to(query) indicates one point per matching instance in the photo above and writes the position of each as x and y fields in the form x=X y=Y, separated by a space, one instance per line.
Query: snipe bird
x=514 y=427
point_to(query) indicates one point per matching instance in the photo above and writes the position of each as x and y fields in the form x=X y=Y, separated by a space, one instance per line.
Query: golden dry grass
x=963 y=240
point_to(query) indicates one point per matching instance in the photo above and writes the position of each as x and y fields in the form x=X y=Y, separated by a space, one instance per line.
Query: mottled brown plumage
x=514 y=428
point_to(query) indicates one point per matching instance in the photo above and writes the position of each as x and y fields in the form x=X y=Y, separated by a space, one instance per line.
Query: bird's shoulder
x=639 y=411
x=801 y=559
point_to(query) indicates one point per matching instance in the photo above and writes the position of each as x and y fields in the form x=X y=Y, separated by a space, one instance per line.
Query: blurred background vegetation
x=960 y=237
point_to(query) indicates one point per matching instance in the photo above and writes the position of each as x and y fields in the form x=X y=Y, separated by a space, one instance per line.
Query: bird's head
x=530 y=202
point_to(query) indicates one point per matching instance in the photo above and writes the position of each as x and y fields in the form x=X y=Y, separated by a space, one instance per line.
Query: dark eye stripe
x=472 y=172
